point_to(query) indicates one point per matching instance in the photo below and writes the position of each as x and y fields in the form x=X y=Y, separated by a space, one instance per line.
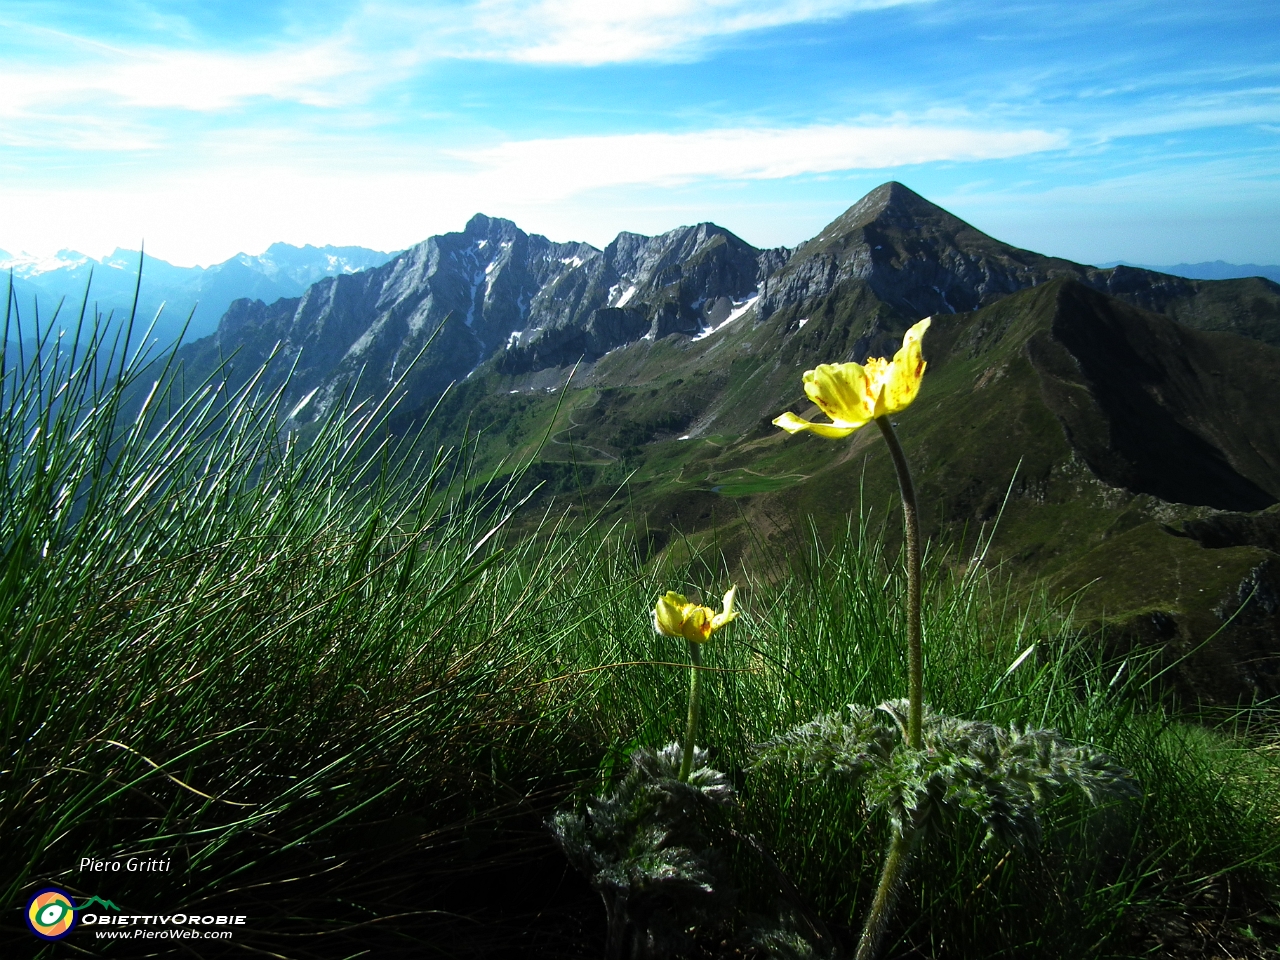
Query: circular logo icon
x=51 y=914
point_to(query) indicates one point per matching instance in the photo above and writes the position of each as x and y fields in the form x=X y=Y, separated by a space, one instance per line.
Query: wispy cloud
x=552 y=168
x=252 y=187
x=197 y=80
x=381 y=42
x=1201 y=112
x=591 y=32
x=379 y=121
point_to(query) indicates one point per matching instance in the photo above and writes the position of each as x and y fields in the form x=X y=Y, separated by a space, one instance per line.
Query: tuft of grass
x=242 y=653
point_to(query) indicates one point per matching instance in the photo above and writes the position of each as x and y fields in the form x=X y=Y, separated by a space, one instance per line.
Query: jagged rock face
x=680 y=282
x=493 y=289
x=468 y=290
x=493 y=293
x=914 y=255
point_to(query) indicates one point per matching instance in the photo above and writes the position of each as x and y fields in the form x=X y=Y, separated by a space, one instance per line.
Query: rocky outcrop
x=914 y=255
x=1235 y=530
x=447 y=305
x=566 y=344
x=454 y=299
x=680 y=282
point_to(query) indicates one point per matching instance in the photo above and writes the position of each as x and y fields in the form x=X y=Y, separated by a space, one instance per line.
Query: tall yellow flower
x=675 y=616
x=853 y=394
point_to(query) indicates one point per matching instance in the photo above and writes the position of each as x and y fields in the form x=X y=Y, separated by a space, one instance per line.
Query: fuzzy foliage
x=1001 y=776
x=645 y=849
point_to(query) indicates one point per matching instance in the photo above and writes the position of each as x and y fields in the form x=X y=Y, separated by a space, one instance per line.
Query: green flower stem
x=915 y=668
x=691 y=729
x=891 y=877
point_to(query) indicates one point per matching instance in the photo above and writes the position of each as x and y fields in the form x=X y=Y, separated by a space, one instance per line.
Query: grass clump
x=253 y=657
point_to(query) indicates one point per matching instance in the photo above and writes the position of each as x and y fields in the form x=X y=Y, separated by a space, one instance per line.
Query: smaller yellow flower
x=675 y=616
x=853 y=395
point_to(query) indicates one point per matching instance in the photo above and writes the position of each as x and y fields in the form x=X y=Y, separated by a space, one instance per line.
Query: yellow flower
x=675 y=616
x=853 y=395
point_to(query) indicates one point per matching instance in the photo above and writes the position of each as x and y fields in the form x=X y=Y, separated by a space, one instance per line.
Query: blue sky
x=1143 y=131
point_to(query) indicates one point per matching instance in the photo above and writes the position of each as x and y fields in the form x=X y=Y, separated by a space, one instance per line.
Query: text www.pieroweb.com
x=177 y=926
x=166 y=934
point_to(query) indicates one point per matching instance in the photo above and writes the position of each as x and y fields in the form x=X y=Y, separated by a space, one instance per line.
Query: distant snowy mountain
x=1209 y=270
x=282 y=271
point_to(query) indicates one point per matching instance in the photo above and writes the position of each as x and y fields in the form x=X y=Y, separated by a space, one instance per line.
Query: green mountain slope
x=1109 y=428
x=1130 y=415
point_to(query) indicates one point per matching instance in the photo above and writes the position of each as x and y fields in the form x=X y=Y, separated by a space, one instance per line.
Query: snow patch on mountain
x=739 y=309
x=301 y=405
x=25 y=266
x=477 y=278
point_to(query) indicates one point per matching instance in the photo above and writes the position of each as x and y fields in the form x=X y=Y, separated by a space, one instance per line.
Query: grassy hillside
x=343 y=700
x=1092 y=429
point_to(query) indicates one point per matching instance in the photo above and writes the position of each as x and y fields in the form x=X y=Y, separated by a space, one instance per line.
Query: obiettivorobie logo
x=51 y=913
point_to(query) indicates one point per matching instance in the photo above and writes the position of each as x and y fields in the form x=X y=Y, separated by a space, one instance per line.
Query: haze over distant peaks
x=283 y=270
x=1209 y=269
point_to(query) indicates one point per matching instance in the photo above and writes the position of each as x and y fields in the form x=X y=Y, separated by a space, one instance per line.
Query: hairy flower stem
x=891 y=877
x=915 y=668
x=691 y=729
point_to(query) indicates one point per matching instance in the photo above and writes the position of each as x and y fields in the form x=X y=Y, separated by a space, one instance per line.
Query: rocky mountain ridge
x=492 y=294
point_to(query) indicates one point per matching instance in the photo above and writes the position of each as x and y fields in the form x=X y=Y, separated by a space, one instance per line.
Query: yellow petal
x=720 y=619
x=793 y=424
x=878 y=373
x=842 y=391
x=902 y=381
x=727 y=614
x=675 y=616
x=697 y=624
x=668 y=614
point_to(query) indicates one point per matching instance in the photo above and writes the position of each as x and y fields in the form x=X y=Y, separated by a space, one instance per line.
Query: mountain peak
x=890 y=204
x=914 y=255
x=487 y=227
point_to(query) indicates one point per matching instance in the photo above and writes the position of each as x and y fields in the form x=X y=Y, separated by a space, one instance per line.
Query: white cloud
x=251 y=190
x=592 y=32
x=551 y=169
x=381 y=43
x=194 y=80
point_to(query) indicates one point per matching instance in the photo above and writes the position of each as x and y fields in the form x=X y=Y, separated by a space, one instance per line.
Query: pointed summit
x=891 y=204
x=914 y=255
x=897 y=210
x=488 y=228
